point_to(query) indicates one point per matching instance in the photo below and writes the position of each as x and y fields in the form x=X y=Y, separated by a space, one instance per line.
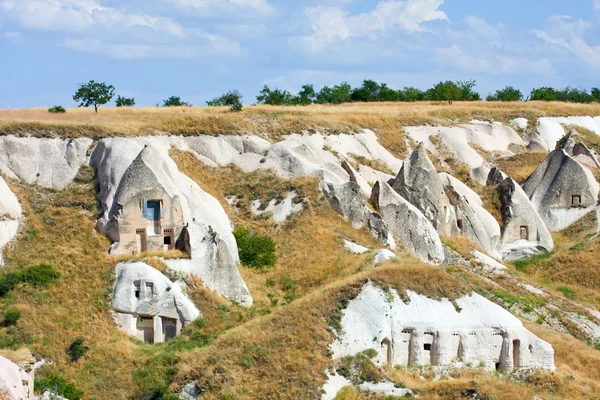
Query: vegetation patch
x=256 y=251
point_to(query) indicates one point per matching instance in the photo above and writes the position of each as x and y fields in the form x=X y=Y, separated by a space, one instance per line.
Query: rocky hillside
x=322 y=252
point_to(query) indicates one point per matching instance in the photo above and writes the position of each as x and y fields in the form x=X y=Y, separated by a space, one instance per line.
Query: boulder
x=473 y=221
x=10 y=214
x=50 y=163
x=142 y=291
x=562 y=190
x=536 y=143
x=524 y=233
x=408 y=224
x=15 y=383
x=130 y=170
x=346 y=199
x=519 y=123
x=421 y=331
x=495 y=177
x=584 y=155
x=568 y=141
x=418 y=182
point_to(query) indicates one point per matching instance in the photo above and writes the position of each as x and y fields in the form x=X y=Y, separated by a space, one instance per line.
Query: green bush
x=175 y=101
x=256 y=251
x=77 y=349
x=567 y=291
x=11 y=316
x=40 y=275
x=57 y=110
x=232 y=99
x=58 y=385
x=124 y=101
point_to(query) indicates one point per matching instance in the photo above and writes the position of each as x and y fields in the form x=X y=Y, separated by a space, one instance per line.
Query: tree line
x=97 y=94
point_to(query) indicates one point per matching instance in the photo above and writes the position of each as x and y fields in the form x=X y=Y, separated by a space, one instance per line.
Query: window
x=136 y=289
x=576 y=200
x=150 y=288
x=427 y=347
x=459 y=223
x=169 y=235
x=152 y=210
x=167 y=241
x=524 y=231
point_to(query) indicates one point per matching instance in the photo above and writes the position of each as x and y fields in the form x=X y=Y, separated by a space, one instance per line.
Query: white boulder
x=423 y=331
x=10 y=214
x=50 y=163
x=15 y=383
x=551 y=128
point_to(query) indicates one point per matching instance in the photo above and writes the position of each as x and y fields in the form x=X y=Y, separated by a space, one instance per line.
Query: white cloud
x=231 y=8
x=482 y=28
x=331 y=24
x=596 y=5
x=12 y=35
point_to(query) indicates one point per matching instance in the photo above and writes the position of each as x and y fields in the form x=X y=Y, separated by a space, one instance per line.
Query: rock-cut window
x=149 y=288
x=575 y=200
x=136 y=289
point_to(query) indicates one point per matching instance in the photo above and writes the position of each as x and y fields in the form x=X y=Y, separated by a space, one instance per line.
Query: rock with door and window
x=148 y=305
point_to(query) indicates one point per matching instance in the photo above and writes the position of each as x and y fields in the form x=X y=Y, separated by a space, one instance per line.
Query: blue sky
x=197 y=49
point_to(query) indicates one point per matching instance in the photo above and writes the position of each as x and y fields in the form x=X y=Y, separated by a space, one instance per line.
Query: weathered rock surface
x=524 y=233
x=520 y=123
x=10 y=213
x=495 y=177
x=279 y=210
x=551 y=128
x=473 y=221
x=408 y=224
x=585 y=156
x=50 y=163
x=418 y=182
x=15 y=383
x=536 y=142
x=425 y=331
x=127 y=167
x=561 y=190
x=346 y=199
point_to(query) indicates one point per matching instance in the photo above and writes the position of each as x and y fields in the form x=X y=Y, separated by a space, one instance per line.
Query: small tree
x=175 y=101
x=232 y=99
x=509 y=93
x=125 y=102
x=11 y=316
x=77 y=349
x=306 y=96
x=544 y=94
x=275 y=97
x=57 y=110
x=94 y=94
x=446 y=91
x=256 y=251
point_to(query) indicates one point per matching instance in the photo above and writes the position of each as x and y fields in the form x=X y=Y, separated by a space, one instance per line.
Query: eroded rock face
x=145 y=198
x=50 y=163
x=561 y=190
x=418 y=182
x=10 y=213
x=148 y=305
x=346 y=199
x=495 y=177
x=473 y=221
x=425 y=331
x=524 y=233
x=15 y=383
x=536 y=143
x=585 y=156
x=408 y=224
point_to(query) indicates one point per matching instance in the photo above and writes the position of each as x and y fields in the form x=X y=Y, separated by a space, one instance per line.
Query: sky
x=198 y=49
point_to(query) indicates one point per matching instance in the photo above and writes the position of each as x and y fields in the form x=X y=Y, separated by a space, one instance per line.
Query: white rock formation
x=51 y=163
x=492 y=137
x=418 y=182
x=15 y=383
x=551 y=128
x=280 y=210
x=536 y=143
x=474 y=221
x=212 y=247
x=488 y=265
x=524 y=232
x=143 y=294
x=10 y=214
x=561 y=190
x=425 y=331
x=408 y=224
x=519 y=123
x=336 y=382
x=382 y=255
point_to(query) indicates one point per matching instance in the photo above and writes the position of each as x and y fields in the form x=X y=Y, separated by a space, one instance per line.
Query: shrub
x=274 y=97
x=175 y=101
x=40 y=275
x=11 y=316
x=58 y=385
x=509 y=93
x=77 y=349
x=57 y=110
x=256 y=251
x=232 y=99
x=125 y=102
x=567 y=291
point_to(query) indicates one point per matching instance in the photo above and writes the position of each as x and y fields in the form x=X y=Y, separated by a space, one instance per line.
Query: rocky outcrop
x=418 y=182
x=585 y=156
x=346 y=199
x=141 y=292
x=561 y=190
x=128 y=169
x=10 y=214
x=536 y=143
x=50 y=163
x=423 y=331
x=473 y=221
x=552 y=130
x=524 y=233
x=495 y=177
x=408 y=224
x=15 y=383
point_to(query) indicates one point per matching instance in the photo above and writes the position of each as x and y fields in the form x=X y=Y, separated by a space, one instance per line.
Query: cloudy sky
x=197 y=49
